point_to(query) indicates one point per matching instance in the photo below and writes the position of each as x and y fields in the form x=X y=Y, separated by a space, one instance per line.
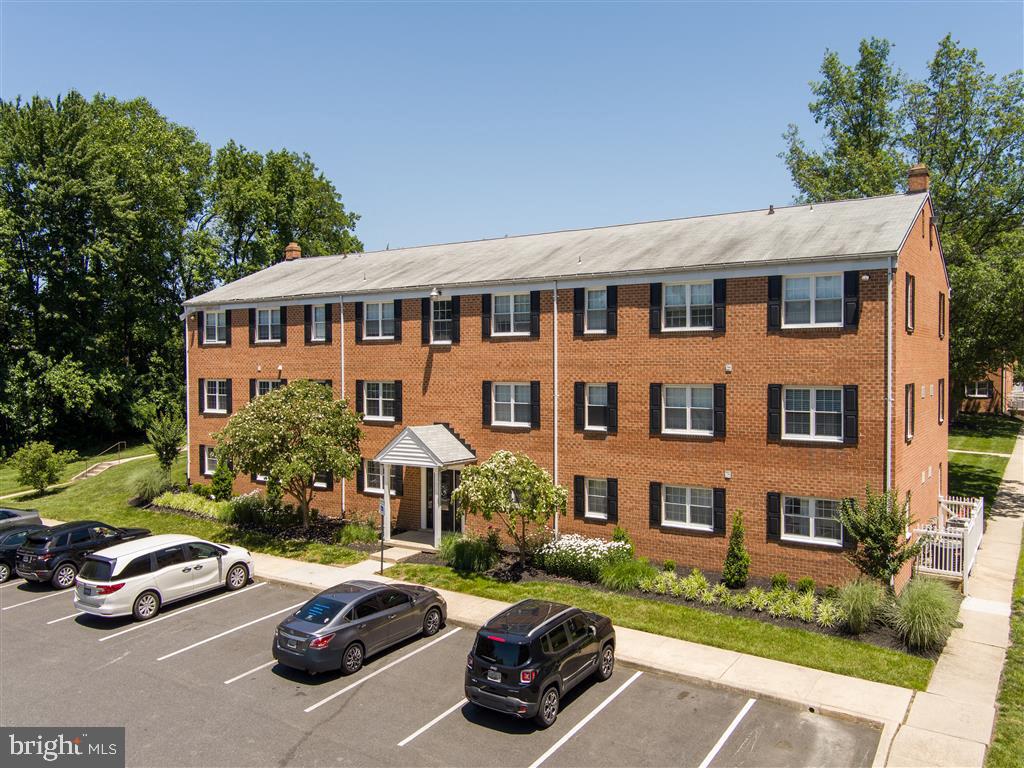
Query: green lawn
x=977 y=432
x=9 y=476
x=735 y=633
x=105 y=496
x=1008 y=742
x=972 y=474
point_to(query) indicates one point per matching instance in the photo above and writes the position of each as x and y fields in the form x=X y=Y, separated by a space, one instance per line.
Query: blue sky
x=442 y=122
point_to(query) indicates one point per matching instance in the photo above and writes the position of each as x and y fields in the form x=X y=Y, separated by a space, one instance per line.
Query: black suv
x=529 y=656
x=56 y=554
x=10 y=540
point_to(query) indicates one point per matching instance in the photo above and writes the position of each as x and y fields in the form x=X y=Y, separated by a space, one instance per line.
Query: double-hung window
x=215 y=328
x=684 y=507
x=981 y=388
x=511 y=314
x=268 y=325
x=597 y=407
x=908 y=412
x=379 y=400
x=216 y=396
x=321 y=480
x=511 y=405
x=440 y=321
x=687 y=410
x=373 y=478
x=318 y=323
x=266 y=386
x=687 y=306
x=813 y=300
x=209 y=461
x=379 y=320
x=813 y=413
x=814 y=520
x=597 y=498
x=595 y=316
x=911 y=302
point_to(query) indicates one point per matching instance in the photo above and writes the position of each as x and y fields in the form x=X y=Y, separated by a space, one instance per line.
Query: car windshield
x=498 y=650
x=319 y=610
x=96 y=569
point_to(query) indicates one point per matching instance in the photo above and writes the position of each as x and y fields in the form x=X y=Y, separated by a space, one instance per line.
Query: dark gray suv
x=343 y=625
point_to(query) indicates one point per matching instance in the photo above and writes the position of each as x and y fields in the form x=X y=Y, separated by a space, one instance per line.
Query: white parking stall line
x=227 y=632
x=385 y=668
x=593 y=713
x=433 y=722
x=180 y=611
x=36 y=600
x=728 y=732
x=65 y=618
x=14 y=584
x=246 y=674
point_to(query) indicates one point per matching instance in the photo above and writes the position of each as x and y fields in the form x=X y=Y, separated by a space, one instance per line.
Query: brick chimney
x=293 y=251
x=917 y=178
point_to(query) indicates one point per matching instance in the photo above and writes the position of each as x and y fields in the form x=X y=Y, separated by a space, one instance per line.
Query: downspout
x=554 y=418
x=341 y=345
x=188 y=419
x=888 y=381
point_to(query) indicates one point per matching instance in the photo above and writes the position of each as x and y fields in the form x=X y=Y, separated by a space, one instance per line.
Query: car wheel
x=64 y=576
x=431 y=622
x=606 y=663
x=5 y=572
x=146 y=606
x=238 y=575
x=547 y=712
x=352 y=660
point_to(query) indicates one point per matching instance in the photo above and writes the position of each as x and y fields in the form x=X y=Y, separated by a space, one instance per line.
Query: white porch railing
x=951 y=542
x=1016 y=401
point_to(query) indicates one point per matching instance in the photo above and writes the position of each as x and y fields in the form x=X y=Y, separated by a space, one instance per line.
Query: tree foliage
x=290 y=435
x=39 y=465
x=880 y=527
x=166 y=434
x=737 y=559
x=513 y=488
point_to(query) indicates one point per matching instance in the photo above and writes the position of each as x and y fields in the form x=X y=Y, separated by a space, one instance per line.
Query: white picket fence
x=951 y=542
x=1016 y=401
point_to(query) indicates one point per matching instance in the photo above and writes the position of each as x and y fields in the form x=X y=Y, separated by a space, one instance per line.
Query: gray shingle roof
x=850 y=229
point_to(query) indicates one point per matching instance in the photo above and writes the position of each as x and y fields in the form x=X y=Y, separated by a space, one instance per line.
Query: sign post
x=380 y=509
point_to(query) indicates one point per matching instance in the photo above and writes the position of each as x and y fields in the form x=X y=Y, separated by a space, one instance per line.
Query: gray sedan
x=12 y=517
x=343 y=625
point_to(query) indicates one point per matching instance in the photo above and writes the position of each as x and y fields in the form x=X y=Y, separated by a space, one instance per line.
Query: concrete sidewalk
x=951 y=723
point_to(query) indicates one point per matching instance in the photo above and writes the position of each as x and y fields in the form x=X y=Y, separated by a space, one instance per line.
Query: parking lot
x=197 y=687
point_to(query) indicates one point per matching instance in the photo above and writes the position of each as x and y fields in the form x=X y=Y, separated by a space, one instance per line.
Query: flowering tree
x=290 y=435
x=511 y=487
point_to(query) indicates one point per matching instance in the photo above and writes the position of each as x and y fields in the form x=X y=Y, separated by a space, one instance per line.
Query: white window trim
x=206 y=398
x=380 y=320
x=312 y=323
x=586 y=313
x=380 y=400
x=274 y=384
x=797 y=437
x=366 y=485
x=207 y=472
x=971 y=390
x=813 y=299
x=223 y=326
x=269 y=325
x=261 y=478
x=320 y=486
x=439 y=342
x=812 y=539
x=587 y=426
x=689 y=407
x=687 y=525
x=689 y=307
x=512 y=391
x=909 y=414
x=512 y=305
x=587 y=514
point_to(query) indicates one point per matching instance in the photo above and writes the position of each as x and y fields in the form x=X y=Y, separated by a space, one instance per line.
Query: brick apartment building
x=999 y=392
x=669 y=374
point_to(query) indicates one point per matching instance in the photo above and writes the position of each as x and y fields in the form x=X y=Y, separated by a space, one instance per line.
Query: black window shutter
x=719 y=510
x=202 y=395
x=456 y=319
x=202 y=459
x=359 y=395
x=851 y=429
x=252 y=326
x=774 y=411
x=327 y=383
x=329 y=481
x=398 y=479
x=361 y=476
x=613 y=500
x=485 y=315
x=425 y=320
x=284 y=325
x=398 y=402
x=227 y=383
x=535 y=404
x=774 y=302
x=579 y=298
x=359 y=321
x=284 y=382
x=849 y=540
x=612 y=302
x=654 y=318
x=252 y=390
x=718 y=322
x=613 y=407
x=227 y=327
x=655 y=409
x=328 y=323
x=535 y=314
x=486 y=402
x=851 y=298
x=579 y=502
x=654 y=505
x=579 y=405
x=201 y=330
x=774 y=524
x=307 y=322
x=398 y=319
x=719 y=404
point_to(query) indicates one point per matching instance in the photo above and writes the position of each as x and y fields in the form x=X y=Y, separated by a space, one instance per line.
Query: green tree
x=166 y=433
x=880 y=528
x=222 y=486
x=290 y=435
x=513 y=488
x=39 y=465
x=737 y=559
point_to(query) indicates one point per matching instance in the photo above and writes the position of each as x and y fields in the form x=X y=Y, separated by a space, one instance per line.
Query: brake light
x=527 y=676
x=108 y=589
x=44 y=556
x=322 y=642
x=469 y=661
x=496 y=639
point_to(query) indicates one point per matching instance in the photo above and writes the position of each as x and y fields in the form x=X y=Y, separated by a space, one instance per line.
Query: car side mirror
x=593 y=630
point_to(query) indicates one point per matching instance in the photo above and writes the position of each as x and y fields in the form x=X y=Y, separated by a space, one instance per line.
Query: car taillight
x=527 y=676
x=44 y=556
x=108 y=589
x=322 y=642
x=469 y=661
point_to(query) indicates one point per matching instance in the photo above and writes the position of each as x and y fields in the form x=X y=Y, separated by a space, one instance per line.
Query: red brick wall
x=1002 y=386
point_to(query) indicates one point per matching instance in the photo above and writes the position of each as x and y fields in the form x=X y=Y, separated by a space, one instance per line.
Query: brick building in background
x=670 y=375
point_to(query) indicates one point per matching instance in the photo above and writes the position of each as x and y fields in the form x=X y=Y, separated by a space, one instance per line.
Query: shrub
x=860 y=601
x=39 y=465
x=805 y=584
x=829 y=614
x=647 y=583
x=708 y=597
x=248 y=510
x=467 y=554
x=693 y=585
x=580 y=557
x=924 y=614
x=624 y=575
x=804 y=606
x=780 y=603
x=780 y=580
x=665 y=583
x=354 y=531
x=759 y=599
x=737 y=559
x=151 y=484
x=189 y=502
x=722 y=593
x=621 y=535
x=166 y=434
x=669 y=565
x=200 y=489
x=738 y=601
x=879 y=528
x=223 y=482
x=831 y=592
